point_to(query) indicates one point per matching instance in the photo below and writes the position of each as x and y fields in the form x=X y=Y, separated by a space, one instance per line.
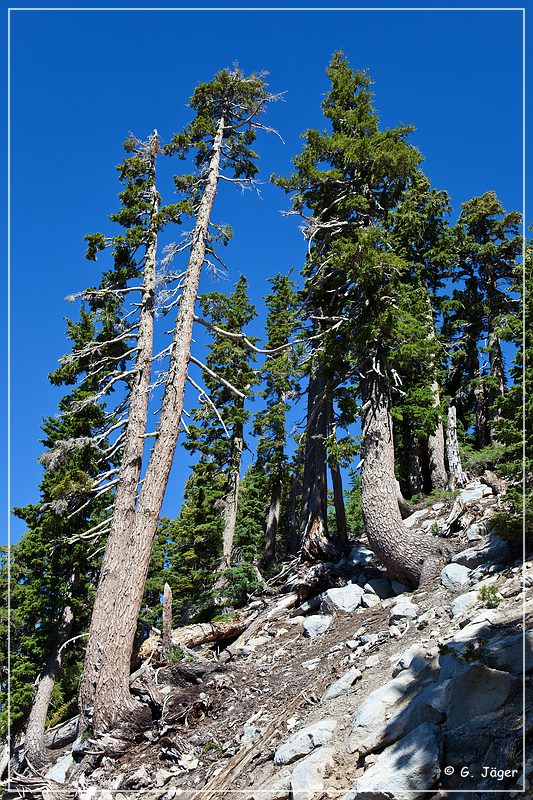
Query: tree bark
x=105 y=682
x=166 y=639
x=482 y=400
x=316 y=545
x=415 y=479
x=232 y=495
x=402 y=552
x=436 y=449
x=272 y=523
x=457 y=478
x=34 y=739
x=338 y=494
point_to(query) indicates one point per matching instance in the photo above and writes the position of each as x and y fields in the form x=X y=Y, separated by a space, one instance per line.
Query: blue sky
x=81 y=80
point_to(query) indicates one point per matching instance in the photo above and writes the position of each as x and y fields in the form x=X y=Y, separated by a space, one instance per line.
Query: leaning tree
x=227 y=112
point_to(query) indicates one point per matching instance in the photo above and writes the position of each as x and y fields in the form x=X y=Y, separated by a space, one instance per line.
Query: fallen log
x=200 y=633
x=270 y=614
x=62 y=734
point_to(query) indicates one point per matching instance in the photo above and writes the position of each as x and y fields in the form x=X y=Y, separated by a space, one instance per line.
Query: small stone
x=437 y=506
x=312 y=663
x=342 y=684
x=477 y=492
x=58 y=772
x=304 y=741
x=495 y=551
x=476 y=532
x=394 y=632
x=370 y=600
x=372 y=661
x=316 y=624
x=360 y=555
x=403 y=609
x=162 y=776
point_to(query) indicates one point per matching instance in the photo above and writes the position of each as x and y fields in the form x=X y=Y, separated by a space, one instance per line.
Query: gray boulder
x=370 y=600
x=476 y=532
x=403 y=609
x=368 y=726
x=407 y=657
x=342 y=684
x=512 y=653
x=276 y=788
x=316 y=624
x=495 y=551
x=58 y=772
x=474 y=492
x=304 y=741
x=455 y=576
x=343 y=600
x=464 y=603
x=307 y=777
x=476 y=691
x=405 y=771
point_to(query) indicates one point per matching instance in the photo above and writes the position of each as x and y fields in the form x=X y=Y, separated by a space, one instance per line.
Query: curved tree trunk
x=402 y=551
x=316 y=545
x=105 y=682
x=457 y=477
x=34 y=739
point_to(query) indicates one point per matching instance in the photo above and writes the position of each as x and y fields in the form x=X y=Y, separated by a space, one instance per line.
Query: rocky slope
x=365 y=690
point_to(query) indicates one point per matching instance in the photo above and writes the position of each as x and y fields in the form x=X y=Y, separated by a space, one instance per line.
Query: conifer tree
x=219 y=137
x=279 y=373
x=421 y=237
x=487 y=246
x=346 y=183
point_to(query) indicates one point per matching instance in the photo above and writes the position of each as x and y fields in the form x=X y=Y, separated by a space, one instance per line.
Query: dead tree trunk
x=336 y=483
x=316 y=545
x=232 y=495
x=34 y=740
x=166 y=638
x=105 y=682
x=457 y=477
x=415 y=478
x=436 y=448
x=402 y=552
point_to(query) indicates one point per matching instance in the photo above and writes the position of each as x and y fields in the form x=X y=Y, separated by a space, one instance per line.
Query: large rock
x=343 y=600
x=370 y=600
x=304 y=741
x=342 y=684
x=476 y=532
x=495 y=551
x=464 y=603
x=307 y=777
x=405 y=771
x=407 y=657
x=455 y=576
x=316 y=624
x=403 y=609
x=276 y=788
x=58 y=772
x=476 y=691
x=359 y=556
x=368 y=727
x=512 y=653
x=416 y=518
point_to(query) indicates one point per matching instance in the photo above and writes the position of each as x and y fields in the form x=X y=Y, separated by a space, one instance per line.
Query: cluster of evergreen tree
x=394 y=335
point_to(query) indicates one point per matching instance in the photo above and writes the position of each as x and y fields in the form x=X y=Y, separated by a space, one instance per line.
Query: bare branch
x=218 y=378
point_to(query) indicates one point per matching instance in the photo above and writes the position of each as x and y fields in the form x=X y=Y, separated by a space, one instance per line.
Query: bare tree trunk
x=336 y=483
x=402 y=551
x=457 y=477
x=295 y=495
x=272 y=523
x=232 y=495
x=316 y=545
x=436 y=448
x=34 y=740
x=166 y=638
x=105 y=682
